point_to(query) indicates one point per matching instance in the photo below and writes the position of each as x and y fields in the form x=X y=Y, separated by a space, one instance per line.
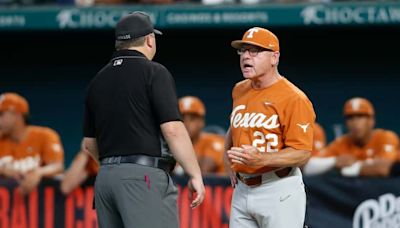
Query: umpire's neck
x=148 y=48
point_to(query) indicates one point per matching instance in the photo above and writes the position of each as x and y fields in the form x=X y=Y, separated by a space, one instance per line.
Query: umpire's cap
x=358 y=106
x=134 y=25
x=13 y=102
x=260 y=37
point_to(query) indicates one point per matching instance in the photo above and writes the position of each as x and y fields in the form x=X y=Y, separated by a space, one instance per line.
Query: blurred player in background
x=28 y=153
x=319 y=139
x=209 y=147
x=363 y=149
x=82 y=167
x=316 y=164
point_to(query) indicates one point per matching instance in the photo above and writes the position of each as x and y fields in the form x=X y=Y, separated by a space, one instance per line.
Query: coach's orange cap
x=191 y=105
x=358 y=106
x=259 y=37
x=13 y=102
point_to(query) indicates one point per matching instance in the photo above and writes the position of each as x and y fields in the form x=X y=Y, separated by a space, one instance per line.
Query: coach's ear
x=275 y=58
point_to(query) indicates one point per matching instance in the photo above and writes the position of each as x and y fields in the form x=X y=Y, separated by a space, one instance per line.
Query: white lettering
x=382 y=16
x=252 y=120
x=387 y=204
x=394 y=14
x=251 y=32
x=83 y=19
x=346 y=15
x=367 y=212
x=384 y=212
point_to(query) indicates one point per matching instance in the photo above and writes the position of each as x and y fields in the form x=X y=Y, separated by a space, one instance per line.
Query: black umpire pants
x=131 y=195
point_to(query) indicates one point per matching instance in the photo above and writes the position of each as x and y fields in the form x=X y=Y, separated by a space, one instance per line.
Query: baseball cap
x=260 y=37
x=134 y=25
x=13 y=102
x=191 y=105
x=358 y=106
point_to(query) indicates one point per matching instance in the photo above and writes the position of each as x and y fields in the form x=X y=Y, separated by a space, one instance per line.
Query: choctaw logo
x=252 y=120
x=381 y=213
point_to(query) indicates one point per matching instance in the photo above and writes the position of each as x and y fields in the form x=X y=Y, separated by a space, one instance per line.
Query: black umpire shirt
x=126 y=103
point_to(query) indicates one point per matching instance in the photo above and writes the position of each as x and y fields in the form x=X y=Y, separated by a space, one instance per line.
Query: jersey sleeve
x=163 y=96
x=298 y=129
x=390 y=146
x=52 y=148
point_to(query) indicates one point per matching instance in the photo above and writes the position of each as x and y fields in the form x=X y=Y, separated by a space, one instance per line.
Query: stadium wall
x=331 y=64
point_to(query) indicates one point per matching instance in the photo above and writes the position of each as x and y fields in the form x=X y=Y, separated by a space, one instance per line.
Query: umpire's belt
x=157 y=162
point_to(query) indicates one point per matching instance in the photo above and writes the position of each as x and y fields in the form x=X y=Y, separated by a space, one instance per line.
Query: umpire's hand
x=181 y=147
x=196 y=186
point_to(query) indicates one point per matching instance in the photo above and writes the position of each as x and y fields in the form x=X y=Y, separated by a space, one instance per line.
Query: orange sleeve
x=52 y=148
x=390 y=146
x=298 y=129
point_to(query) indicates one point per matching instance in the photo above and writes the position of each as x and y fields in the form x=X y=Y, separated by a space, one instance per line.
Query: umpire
x=131 y=122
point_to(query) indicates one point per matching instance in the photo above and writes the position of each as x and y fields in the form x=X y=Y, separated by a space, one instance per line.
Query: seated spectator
x=28 y=153
x=209 y=147
x=82 y=167
x=363 y=146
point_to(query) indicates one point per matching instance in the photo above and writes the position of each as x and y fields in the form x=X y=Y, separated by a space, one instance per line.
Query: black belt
x=157 y=162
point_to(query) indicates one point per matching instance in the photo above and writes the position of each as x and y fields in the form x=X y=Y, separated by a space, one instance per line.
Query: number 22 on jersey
x=260 y=139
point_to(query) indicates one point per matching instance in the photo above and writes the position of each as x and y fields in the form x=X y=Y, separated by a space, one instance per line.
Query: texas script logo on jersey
x=253 y=119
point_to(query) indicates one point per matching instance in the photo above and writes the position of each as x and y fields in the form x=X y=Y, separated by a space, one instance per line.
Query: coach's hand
x=246 y=155
x=229 y=170
x=196 y=188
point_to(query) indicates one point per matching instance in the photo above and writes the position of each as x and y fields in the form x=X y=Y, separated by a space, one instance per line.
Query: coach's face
x=7 y=121
x=256 y=61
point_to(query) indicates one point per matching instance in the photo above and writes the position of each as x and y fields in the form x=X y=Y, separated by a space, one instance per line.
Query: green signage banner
x=190 y=15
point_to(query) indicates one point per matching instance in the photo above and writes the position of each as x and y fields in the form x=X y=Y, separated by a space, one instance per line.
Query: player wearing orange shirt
x=82 y=167
x=362 y=144
x=319 y=139
x=270 y=137
x=28 y=153
x=316 y=164
x=363 y=149
x=209 y=147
